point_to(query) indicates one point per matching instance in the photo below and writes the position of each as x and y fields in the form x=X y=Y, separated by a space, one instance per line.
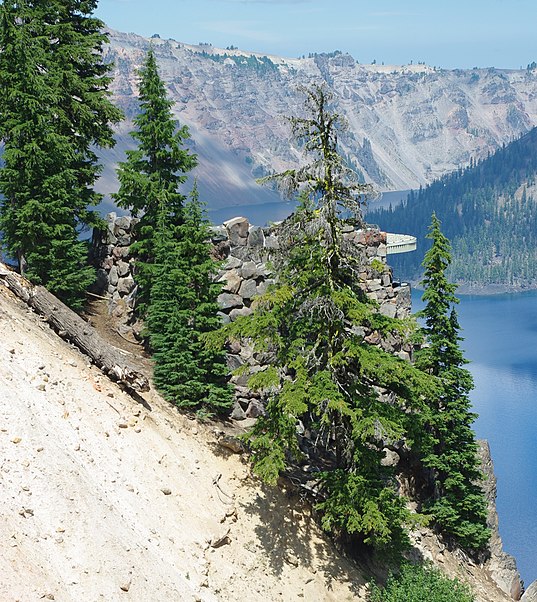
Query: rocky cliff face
x=407 y=125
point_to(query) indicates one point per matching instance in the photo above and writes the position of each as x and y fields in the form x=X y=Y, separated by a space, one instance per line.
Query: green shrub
x=421 y=583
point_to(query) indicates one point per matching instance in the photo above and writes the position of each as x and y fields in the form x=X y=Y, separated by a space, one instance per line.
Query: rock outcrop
x=502 y=566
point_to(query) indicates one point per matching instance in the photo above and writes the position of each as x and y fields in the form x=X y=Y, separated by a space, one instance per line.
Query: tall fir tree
x=183 y=306
x=174 y=268
x=325 y=378
x=53 y=111
x=153 y=172
x=457 y=503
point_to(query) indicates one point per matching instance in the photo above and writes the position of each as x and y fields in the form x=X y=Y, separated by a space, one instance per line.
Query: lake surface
x=260 y=214
x=500 y=333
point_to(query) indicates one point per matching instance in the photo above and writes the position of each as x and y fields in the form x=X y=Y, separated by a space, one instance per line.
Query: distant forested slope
x=488 y=210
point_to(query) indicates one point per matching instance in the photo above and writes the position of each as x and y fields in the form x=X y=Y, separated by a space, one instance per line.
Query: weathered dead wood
x=72 y=327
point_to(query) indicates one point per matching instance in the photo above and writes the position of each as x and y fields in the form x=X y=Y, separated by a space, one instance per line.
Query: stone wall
x=245 y=250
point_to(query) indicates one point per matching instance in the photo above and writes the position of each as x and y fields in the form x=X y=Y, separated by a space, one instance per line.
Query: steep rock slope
x=408 y=125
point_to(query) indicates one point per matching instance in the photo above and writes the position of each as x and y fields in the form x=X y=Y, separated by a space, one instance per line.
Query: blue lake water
x=500 y=333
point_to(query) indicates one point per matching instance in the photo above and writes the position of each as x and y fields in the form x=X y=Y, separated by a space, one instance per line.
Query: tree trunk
x=71 y=326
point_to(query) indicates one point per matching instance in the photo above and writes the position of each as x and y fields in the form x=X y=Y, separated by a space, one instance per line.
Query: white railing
x=400 y=243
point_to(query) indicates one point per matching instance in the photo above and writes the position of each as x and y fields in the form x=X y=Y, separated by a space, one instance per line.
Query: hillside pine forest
x=488 y=210
x=335 y=400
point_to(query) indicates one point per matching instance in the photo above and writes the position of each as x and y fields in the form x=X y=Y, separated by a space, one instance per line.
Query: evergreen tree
x=182 y=307
x=52 y=112
x=151 y=176
x=457 y=504
x=174 y=268
x=325 y=379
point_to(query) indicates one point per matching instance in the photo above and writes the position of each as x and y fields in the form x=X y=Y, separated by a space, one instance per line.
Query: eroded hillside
x=408 y=125
x=106 y=497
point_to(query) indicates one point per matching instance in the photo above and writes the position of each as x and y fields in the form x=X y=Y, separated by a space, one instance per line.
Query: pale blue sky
x=445 y=33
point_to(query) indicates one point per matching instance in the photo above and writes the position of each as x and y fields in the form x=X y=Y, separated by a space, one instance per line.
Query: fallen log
x=71 y=326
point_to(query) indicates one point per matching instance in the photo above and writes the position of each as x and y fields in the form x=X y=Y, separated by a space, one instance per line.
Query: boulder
x=248 y=289
x=235 y=313
x=123 y=268
x=272 y=242
x=113 y=276
x=223 y=317
x=124 y=222
x=229 y=300
x=388 y=309
x=232 y=263
x=237 y=229
x=249 y=270
x=231 y=280
x=125 y=285
x=256 y=237
x=255 y=409
x=233 y=362
x=238 y=413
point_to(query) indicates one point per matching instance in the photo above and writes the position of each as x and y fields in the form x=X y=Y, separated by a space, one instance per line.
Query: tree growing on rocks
x=457 y=502
x=54 y=110
x=174 y=268
x=183 y=307
x=334 y=400
x=151 y=176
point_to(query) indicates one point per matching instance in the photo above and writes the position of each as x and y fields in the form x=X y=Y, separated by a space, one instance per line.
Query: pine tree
x=182 y=307
x=52 y=112
x=457 y=505
x=153 y=172
x=325 y=379
x=174 y=268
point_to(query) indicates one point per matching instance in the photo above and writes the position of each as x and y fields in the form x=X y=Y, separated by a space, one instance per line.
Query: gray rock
x=237 y=229
x=256 y=237
x=248 y=289
x=391 y=458
x=125 y=285
x=262 y=288
x=123 y=268
x=113 y=276
x=263 y=271
x=235 y=313
x=249 y=270
x=272 y=242
x=232 y=262
x=124 y=240
x=238 y=413
x=255 y=409
x=228 y=300
x=223 y=317
x=242 y=380
x=233 y=362
x=123 y=222
x=388 y=309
